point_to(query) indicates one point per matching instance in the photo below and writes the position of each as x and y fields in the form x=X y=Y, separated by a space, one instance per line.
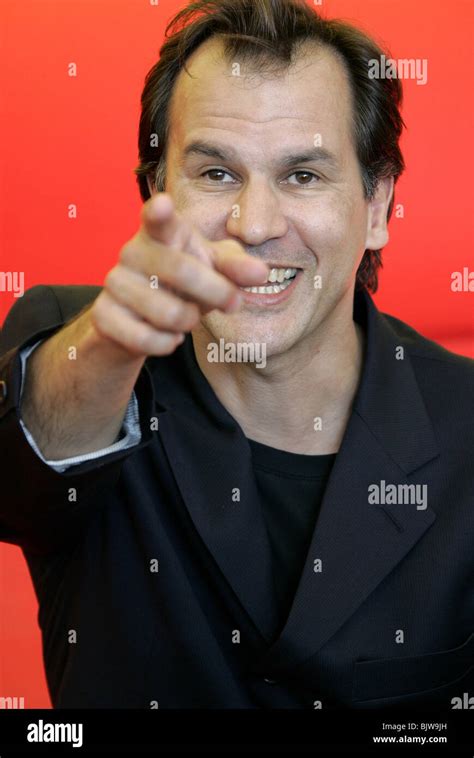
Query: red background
x=73 y=140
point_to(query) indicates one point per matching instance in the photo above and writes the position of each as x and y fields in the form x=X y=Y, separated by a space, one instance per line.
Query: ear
x=151 y=184
x=377 y=232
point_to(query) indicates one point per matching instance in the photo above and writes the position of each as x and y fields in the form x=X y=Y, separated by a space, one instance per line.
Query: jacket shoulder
x=446 y=381
x=42 y=307
x=421 y=347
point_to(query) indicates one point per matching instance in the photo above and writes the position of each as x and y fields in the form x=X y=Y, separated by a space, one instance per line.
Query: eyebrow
x=316 y=154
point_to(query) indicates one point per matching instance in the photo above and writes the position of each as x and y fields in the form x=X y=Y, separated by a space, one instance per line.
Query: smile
x=280 y=286
x=278 y=280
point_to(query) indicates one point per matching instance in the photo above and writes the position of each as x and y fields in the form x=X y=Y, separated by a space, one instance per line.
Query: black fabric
x=291 y=488
x=155 y=582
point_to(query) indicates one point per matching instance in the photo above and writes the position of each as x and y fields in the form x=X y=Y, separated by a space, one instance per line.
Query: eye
x=305 y=174
x=216 y=174
x=215 y=171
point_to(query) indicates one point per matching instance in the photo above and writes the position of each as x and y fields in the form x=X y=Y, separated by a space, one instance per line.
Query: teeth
x=278 y=280
x=279 y=274
x=269 y=289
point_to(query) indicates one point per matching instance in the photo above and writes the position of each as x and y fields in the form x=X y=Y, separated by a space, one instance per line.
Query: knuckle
x=184 y=318
x=98 y=307
x=142 y=340
x=182 y=272
x=127 y=253
x=168 y=345
x=173 y=314
x=157 y=312
x=193 y=314
x=112 y=277
x=150 y=342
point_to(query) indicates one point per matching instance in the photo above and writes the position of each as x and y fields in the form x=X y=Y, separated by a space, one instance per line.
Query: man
x=236 y=483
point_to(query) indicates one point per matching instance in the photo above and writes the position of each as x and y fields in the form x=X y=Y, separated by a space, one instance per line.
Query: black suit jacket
x=387 y=622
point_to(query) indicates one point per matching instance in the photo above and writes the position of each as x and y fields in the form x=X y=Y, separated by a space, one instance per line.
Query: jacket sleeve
x=40 y=508
x=130 y=432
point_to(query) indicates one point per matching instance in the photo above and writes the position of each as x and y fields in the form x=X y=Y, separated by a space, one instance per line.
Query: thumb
x=231 y=260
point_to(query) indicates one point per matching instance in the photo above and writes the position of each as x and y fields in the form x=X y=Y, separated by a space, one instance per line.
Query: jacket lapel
x=211 y=462
x=388 y=436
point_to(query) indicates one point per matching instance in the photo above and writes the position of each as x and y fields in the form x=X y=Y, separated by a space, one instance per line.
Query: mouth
x=279 y=279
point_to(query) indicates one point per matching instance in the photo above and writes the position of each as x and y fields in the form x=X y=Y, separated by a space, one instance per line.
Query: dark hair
x=268 y=33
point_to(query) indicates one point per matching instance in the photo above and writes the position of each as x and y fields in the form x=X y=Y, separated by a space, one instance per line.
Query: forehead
x=312 y=96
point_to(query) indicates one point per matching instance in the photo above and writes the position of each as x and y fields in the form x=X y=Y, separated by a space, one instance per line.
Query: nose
x=256 y=215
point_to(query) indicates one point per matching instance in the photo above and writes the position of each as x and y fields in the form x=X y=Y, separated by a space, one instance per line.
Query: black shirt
x=291 y=488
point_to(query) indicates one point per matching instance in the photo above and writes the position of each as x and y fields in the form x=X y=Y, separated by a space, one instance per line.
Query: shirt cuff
x=130 y=427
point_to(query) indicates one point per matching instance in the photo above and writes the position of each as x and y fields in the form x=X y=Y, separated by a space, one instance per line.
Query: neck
x=280 y=405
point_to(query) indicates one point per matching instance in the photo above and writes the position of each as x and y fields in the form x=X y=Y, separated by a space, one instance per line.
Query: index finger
x=162 y=223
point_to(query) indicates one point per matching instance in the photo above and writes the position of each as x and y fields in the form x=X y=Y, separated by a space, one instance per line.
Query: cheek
x=336 y=231
x=204 y=213
x=200 y=214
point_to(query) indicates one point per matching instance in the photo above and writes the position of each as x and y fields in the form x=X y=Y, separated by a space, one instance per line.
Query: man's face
x=309 y=214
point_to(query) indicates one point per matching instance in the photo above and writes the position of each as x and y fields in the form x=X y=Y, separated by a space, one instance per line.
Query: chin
x=277 y=337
